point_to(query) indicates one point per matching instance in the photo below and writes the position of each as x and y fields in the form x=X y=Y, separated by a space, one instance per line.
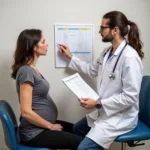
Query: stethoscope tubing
x=118 y=58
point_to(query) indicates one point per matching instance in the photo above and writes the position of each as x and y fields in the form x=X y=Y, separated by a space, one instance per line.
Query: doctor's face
x=105 y=31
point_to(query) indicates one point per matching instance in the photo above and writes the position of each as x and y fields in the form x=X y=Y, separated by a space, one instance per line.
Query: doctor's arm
x=90 y=69
x=131 y=81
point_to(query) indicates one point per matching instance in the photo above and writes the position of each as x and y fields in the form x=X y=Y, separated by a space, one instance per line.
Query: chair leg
x=121 y=145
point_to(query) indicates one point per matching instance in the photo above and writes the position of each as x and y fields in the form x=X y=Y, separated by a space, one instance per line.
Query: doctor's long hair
x=24 y=53
x=118 y=19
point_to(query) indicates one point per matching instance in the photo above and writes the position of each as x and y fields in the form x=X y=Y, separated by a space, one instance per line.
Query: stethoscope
x=112 y=74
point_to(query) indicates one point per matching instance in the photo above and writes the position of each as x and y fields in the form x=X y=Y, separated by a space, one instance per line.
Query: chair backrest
x=144 y=101
x=7 y=108
x=9 y=124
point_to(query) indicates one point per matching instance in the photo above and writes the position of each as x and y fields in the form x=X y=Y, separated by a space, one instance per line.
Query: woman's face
x=42 y=47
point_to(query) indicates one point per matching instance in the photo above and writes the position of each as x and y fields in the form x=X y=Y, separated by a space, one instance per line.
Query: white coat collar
x=120 y=47
x=117 y=52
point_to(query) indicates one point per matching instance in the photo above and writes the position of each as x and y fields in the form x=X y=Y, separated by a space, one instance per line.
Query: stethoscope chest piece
x=112 y=76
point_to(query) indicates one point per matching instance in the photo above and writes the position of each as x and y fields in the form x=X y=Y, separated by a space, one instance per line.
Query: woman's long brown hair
x=24 y=53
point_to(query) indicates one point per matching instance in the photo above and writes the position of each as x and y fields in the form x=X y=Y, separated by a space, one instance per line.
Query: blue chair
x=142 y=131
x=10 y=127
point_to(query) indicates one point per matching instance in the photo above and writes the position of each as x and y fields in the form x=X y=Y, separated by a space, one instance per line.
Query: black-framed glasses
x=104 y=27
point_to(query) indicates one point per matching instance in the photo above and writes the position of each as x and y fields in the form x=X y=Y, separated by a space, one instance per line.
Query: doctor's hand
x=64 y=49
x=88 y=103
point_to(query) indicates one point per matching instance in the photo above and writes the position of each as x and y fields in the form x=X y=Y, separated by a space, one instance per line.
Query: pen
x=58 y=45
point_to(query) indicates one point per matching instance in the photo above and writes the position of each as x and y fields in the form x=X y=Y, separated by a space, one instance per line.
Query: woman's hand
x=57 y=127
x=88 y=103
x=64 y=49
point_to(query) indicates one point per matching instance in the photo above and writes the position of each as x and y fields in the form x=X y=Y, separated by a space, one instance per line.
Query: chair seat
x=23 y=147
x=141 y=132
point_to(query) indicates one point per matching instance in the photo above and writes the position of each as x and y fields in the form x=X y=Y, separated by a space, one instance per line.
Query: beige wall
x=16 y=15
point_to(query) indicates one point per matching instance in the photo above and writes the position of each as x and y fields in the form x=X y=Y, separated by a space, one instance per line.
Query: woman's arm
x=27 y=112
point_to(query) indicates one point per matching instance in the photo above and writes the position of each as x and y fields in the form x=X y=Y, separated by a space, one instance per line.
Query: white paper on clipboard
x=79 y=87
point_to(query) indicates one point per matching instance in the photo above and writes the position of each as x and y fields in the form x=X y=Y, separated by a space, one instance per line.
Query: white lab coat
x=119 y=97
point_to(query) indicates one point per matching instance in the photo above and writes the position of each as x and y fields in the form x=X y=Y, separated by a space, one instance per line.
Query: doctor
x=119 y=74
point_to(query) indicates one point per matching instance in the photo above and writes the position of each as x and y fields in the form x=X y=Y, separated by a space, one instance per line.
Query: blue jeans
x=81 y=128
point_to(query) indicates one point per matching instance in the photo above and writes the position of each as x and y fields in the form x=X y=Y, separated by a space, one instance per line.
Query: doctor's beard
x=108 y=38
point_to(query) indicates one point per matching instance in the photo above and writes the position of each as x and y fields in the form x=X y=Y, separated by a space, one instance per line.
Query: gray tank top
x=42 y=103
